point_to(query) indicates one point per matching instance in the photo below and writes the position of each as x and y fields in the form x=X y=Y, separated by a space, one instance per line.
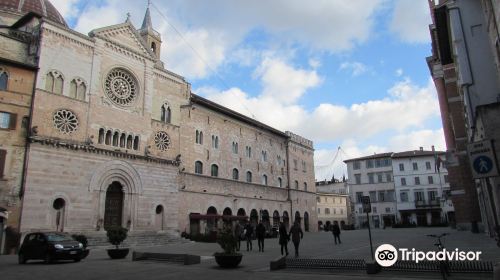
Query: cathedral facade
x=114 y=138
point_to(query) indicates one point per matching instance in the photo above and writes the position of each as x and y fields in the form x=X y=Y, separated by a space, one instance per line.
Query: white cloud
x=67 y=8
x=411 y=20
x=399 y=72
x=214 y=34
x=413 y=140
x=356 y=68
x=283 y=82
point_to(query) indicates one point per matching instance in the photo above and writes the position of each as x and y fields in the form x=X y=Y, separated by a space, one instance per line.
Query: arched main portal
x=297 y=218
x=59 y=205
x=113 y=207
x=211 y=222
x=226 y=216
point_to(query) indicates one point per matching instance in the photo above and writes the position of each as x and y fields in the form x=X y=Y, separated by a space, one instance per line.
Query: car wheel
x=21 y=259
x=48 y=259
x=77 y=259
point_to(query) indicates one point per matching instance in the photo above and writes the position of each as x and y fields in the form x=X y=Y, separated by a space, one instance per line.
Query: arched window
x=54 y=82
x=249 y=177
x=235 y=147
x=214 y=170
x=165 y=113
x=305 y=186
x=199 y=137
x=101 y=136
x=264 y=179
x=153 y=47
x=280 y=183
x=122 y=140
x=136 y=143
x=215 y=141
x=198 y=167
x=108 y=138
x=4 y=78
x=236 y=174
x=296 y=184
x=129 y=142
x=327 y=210
x=72 y=89
x=116 y=137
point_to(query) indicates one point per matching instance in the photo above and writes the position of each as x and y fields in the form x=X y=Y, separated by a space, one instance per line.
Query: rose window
x=121 y=87
x=65 y=121
x=162 y=141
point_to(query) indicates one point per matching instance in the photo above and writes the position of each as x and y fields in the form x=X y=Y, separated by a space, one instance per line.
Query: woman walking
x=284 y=238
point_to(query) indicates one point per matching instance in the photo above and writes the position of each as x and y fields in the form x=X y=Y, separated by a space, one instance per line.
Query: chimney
x=421 y=149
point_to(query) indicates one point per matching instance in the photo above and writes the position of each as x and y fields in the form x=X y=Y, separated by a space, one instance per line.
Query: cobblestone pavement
x=255 y=264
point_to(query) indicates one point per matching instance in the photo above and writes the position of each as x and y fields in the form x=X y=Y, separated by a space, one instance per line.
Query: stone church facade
x=117 y=139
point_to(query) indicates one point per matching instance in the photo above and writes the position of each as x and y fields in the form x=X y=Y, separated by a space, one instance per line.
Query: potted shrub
x=82 y=239
x=116 y=235
x=229 y=258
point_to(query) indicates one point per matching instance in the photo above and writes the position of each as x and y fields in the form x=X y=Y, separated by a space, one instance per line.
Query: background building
x=422 y=188
x=333 y=204
x=372 y=176
x=17 y=77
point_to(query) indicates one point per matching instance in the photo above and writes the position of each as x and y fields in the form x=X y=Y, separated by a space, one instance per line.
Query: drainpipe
x=288 y=176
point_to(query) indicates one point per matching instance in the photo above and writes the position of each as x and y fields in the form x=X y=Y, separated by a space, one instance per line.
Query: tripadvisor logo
x=386 y=255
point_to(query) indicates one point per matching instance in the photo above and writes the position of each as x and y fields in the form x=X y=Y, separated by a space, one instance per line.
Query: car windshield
x=58 y=237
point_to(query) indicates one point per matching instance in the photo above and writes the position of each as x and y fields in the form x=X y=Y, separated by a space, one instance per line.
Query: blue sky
x=341 y=73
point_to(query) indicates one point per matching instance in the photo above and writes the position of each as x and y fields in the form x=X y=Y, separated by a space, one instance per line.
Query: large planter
x=118 y=253
x=228 y=261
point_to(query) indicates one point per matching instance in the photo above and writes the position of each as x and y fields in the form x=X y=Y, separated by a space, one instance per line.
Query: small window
x=401 y=167
x=235 y=174
x=235 y=147
x=264 y=179
x=327 y=210
x=249 y=177
x=248 y=151
x=305 y=186
x=431 y=180
x=356 y=165
x=215 y=141
x=199 y=137
x=357 y=178
x=280 y=183
x=417 y=180
x=428 y=165
x=403 y=181
x=4 y=78
x=214 y=170
x=54 y=82
x=415 y=166
x=404 y=196
x=198 y=167
x=136 y=143
x=296 y=185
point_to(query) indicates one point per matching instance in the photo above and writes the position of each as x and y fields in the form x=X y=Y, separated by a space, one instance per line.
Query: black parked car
x=50 y=246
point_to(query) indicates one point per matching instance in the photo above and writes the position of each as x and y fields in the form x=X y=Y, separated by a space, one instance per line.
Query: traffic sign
x=367 y=206
x=482 y=159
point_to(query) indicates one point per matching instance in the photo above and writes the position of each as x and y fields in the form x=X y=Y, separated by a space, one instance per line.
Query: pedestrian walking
x=248 y=236
x=296 y=234
x=284 y=238
x=336 y=232
x=261 y=234
x=237 y=234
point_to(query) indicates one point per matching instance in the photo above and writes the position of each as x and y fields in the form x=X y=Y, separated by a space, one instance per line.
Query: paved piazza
x=256 y=265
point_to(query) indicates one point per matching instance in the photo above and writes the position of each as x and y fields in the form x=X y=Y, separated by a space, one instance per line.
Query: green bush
x=227 y=241
x=81 y=238
x=116 y=235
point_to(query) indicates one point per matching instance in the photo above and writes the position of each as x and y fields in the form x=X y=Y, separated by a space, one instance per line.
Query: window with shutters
x=7 y=120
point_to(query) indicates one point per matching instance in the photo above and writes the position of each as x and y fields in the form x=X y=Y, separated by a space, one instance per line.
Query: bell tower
x=149 y=35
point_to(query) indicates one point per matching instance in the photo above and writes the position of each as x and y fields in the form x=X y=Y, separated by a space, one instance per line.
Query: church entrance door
x=113 y=209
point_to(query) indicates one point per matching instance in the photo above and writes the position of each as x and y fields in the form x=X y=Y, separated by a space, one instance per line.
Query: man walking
x=336 y=232
x=296 y=234
x=248 y=236
x=283 y=238
x=261 y=234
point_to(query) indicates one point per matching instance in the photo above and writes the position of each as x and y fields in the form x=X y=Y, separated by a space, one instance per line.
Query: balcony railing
x=427 y=203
